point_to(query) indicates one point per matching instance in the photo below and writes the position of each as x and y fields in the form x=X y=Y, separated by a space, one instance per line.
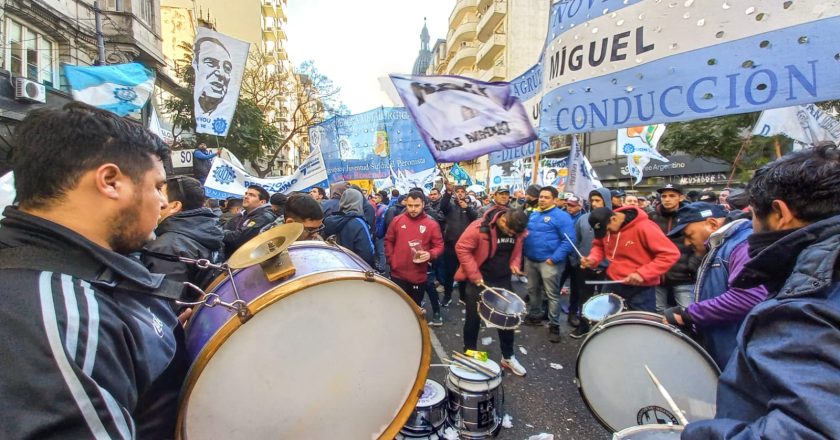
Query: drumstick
x=473 y=363
x=667 y=396
x=573 y=245
x=466 y=366
x=495 y=292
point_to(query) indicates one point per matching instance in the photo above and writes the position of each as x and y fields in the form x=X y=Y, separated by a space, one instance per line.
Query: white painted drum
x=471 y=381
x=613 y=382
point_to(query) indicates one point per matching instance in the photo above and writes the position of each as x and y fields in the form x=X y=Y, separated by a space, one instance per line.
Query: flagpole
x=535 y=169
x=737 y=157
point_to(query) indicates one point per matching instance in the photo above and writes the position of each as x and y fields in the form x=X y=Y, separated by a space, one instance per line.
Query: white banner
x=219 y=62
x=806 y=124
x=582 y=178
x=7 y=191
x=227 y=180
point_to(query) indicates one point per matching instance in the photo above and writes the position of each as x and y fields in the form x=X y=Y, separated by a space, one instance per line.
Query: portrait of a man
x=218 y=62
x=213 y=68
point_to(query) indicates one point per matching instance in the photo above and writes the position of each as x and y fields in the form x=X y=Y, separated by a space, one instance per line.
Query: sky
x=355 y=42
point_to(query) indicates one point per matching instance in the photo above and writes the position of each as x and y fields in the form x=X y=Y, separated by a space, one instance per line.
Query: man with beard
x=186 y=229
x=213 y=69
x=782 y=379
x=677 y=284
x=256 y=215
x=91 y=350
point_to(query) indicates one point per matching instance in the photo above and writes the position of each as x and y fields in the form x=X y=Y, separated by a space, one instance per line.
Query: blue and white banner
x=805 y=124
x=509 y=173
x=368 y=145
x=510 y=154
x=460 y=175
x=219 y=63
x=639 y=145
x=462 y=118
x=228 y=180
x=554 y=172
x=121 y=88
x=619 y=63
x=582 y=178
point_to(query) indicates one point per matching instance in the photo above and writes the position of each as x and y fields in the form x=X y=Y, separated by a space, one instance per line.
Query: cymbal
x=265 y=245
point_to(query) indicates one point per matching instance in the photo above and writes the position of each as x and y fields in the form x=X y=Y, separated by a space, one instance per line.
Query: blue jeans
x=683 y=296
x=642 y=298
x=543 y=277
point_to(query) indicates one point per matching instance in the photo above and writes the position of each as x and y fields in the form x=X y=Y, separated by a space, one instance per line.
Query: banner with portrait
x=219 y=63
x=554 y=172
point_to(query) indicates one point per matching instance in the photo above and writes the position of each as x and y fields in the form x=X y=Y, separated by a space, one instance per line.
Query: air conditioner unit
x=26 y=90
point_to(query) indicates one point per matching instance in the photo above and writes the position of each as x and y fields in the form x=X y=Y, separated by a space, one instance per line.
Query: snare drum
x=474 y=402
x=307 y=364
x=612 y=380
x=601 y=307
x=430 y=413
x=501 y=308
x=650 y=432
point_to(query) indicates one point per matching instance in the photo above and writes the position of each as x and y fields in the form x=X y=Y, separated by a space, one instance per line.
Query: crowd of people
x=95 y=347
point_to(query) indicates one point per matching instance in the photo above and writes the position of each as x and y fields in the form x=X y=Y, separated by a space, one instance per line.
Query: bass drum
x=614 y=384
x=333 y=351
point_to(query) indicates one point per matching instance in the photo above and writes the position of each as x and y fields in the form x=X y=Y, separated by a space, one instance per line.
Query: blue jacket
x=783 y=379
x=584 y=233
x=352 y=232
x=545 y=236
x=719 y=336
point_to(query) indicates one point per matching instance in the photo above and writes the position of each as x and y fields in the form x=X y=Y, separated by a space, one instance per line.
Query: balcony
x=464 y=58
x=281 y=32
x=489 y=50
x=132 y=36
x=465 y=33
x=268 y=7
x=482 y=4
x=281 y=13
x=495 y=73
x=491 y=18
x=462 y=7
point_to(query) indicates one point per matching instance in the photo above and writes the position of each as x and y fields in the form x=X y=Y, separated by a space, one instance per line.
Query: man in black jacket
x=257 y=214
x=678 y=284
x=89 y=350
x=187 y=229
x=459 y=214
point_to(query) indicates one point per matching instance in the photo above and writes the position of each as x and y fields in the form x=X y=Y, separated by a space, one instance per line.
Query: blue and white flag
x=807 y=125
x=121 y=88
x=582 y=178
x=219 y=63
x=228 y=180
x=460 y=175
x=462 y=118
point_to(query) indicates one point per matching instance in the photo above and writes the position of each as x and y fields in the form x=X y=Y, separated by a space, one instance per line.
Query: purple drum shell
x=308 y=258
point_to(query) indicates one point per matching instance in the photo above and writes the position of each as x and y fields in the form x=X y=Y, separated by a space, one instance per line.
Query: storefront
x=692 y=173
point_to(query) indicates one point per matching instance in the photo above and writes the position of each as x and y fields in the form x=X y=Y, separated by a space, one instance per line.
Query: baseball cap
x=617 y=193
x=696 y=212
x=573 y=200
x=503 y=189
x=533 y=190
x=599 y=219
x=708 y=196
x=670 y=187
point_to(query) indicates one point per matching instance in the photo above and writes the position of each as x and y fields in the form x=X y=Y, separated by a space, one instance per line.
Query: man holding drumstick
x=490 y=252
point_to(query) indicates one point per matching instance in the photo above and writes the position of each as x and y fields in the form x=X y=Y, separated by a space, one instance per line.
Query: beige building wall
x=491 y=40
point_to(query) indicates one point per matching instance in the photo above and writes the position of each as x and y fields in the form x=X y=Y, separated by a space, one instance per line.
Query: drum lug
x=242 y=311
x=370 y=275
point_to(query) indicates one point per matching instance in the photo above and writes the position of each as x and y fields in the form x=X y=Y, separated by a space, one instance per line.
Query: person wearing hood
x=186 y=229
x=638 y=252
x=256 y=215
x=781 y=382
x=349 y=226
x=580 y=292
x=368 y=209
x=331 y=206
x=677 y=284
x=532 y=198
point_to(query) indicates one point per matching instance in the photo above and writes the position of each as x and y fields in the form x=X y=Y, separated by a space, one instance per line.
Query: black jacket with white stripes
x=81 y=359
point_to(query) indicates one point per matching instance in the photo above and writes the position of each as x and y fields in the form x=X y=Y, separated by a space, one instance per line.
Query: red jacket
x=640 y=246
x=404 y=229
x=476 y=246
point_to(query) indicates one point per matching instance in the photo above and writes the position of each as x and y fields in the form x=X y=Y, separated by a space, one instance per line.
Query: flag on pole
x=219 y=63
x=120 y=88
x=462 y=118
x=582 y=178
x=805 y=124
x=460 y=175
x=639 y=145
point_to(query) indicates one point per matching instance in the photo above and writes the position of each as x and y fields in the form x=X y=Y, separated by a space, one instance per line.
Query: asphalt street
x=546 y=400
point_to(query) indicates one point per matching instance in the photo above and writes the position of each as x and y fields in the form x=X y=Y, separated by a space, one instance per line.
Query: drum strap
x=103 y=278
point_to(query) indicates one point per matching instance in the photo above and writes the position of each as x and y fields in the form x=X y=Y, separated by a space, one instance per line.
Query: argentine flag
x=121 y=88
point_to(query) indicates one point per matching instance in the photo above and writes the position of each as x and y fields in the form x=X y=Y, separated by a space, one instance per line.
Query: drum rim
x=284 y=290
x=621 y=302
x=659 y=325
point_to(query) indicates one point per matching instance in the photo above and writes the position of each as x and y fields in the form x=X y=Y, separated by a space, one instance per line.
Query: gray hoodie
x=584 y=233
x=351 y=202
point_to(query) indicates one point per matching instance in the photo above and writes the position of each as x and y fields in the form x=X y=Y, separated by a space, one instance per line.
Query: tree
x=292 y=101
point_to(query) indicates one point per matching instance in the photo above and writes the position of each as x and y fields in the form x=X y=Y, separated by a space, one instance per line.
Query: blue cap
x=696 y=212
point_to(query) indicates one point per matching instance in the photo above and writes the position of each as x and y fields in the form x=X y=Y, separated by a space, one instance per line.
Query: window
x=144 y=11
x=29 y=54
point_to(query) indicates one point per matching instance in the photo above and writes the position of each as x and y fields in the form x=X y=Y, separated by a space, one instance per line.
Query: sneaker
x=573 y=320
x=446 y=301
x=437 y=321
x=532 y=321
x=439 y=289
x=527 y=298
x=554 y=334
x=523 y=279
x=579 y=332
x=514 y=366
x=461 y=302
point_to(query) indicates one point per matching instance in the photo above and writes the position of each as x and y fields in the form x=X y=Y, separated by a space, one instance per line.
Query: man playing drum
x=490 y=252
x=89 y=352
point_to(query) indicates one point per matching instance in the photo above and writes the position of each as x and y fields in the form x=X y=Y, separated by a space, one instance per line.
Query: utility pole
x=100 y=38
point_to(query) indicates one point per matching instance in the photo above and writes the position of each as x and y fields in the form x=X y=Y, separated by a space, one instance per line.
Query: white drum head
x=650 y=432
x=333 y=360
x=433 y=393
x=600 y=307
x=468 y=380
x=614 y=384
